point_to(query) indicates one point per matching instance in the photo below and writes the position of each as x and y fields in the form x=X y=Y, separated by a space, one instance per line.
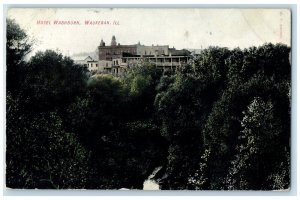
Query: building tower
x=113 y=41
x=102 y=44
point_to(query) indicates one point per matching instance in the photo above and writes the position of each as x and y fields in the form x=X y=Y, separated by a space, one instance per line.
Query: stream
x=151 y=184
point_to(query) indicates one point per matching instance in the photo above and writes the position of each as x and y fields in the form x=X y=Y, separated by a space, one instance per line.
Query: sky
x=189 y=28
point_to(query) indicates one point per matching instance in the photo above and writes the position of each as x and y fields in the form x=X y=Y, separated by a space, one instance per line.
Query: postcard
x=148 y=98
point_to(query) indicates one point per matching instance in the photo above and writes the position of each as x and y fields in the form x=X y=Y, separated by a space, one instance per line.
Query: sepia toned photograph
x=148 y=99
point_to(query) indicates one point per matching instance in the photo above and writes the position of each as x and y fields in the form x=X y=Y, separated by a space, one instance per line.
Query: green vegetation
x=219 y=123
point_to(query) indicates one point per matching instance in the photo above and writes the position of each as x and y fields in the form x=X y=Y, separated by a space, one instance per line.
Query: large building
x=117 y=58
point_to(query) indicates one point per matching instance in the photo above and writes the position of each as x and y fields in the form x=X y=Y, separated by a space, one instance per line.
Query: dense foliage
x=220 y=122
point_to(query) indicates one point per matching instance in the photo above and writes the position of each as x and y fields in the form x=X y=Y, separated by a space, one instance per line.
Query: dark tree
x=18 y=45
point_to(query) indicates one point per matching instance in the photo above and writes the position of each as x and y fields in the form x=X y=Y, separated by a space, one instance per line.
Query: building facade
x=114 y=50
x=82 y=60
x=89 y=62
x=116 y=59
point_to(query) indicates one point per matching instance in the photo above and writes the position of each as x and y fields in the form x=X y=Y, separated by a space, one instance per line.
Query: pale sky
x=181 y=28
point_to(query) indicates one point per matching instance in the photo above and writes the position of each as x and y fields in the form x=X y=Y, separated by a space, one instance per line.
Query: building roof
x=82 y=58
x=182 y=52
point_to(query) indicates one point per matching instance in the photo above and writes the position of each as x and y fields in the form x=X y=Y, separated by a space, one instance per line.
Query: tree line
x=222 y=122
